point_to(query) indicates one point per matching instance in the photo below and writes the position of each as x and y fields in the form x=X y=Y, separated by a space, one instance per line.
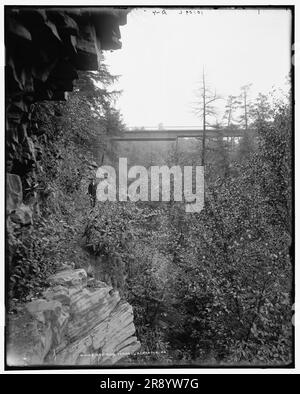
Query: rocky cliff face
x=77 y=322
x=45 y=47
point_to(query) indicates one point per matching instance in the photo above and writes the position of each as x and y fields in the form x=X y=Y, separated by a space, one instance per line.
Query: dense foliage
x=206 y=288
x=72 y=135
x=213 y=287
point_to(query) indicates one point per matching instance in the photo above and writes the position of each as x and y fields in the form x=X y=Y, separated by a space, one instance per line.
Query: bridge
x=174 y=134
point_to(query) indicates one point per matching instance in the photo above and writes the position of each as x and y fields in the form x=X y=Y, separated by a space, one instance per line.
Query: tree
x=245 y=147
x=231 y=106
x=260 y=110
x=244 y=105
x=204 y=109
x=260 y=113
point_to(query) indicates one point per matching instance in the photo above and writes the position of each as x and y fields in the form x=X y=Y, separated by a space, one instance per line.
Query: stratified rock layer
x=44 y=49
x=74 y=324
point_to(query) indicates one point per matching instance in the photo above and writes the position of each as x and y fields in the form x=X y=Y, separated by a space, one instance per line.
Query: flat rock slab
x=72 y=325
x=69 y=278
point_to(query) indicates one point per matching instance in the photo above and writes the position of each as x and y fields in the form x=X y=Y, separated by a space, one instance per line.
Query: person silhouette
x=92 y=188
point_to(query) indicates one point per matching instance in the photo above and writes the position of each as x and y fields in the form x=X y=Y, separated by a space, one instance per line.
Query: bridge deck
x=172 y=135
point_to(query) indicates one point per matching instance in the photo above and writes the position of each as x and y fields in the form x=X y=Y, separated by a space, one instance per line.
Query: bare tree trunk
x=204 y=122
x=207 y=98
x=229 y=116
x=246 y=112
x=229 y=113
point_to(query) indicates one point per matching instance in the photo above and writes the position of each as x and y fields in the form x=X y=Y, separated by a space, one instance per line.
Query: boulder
x=22 y=215
x=74 y=325
x=69 y=277
x=44 y=310
x=14 y=193
x=58 y=293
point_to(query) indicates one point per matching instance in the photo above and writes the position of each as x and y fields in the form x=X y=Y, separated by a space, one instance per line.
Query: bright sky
x=162 y=58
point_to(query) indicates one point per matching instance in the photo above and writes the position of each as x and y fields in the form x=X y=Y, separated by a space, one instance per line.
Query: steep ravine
x=77 y=320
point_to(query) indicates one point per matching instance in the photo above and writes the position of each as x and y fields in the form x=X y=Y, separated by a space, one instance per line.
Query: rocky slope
x=77 y=322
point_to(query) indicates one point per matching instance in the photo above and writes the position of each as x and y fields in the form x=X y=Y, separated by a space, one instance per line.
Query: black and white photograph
x=149 y=187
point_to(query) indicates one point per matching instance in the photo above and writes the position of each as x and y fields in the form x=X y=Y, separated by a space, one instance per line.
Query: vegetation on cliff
x=210 y=287
x=71 y=137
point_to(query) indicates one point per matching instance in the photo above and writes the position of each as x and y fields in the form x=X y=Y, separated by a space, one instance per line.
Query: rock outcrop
x=17 y=212
x=45 y=47
x=14 y=192
x=77 y=322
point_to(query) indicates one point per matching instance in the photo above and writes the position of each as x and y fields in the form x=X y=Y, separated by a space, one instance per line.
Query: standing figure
x=92 y=189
